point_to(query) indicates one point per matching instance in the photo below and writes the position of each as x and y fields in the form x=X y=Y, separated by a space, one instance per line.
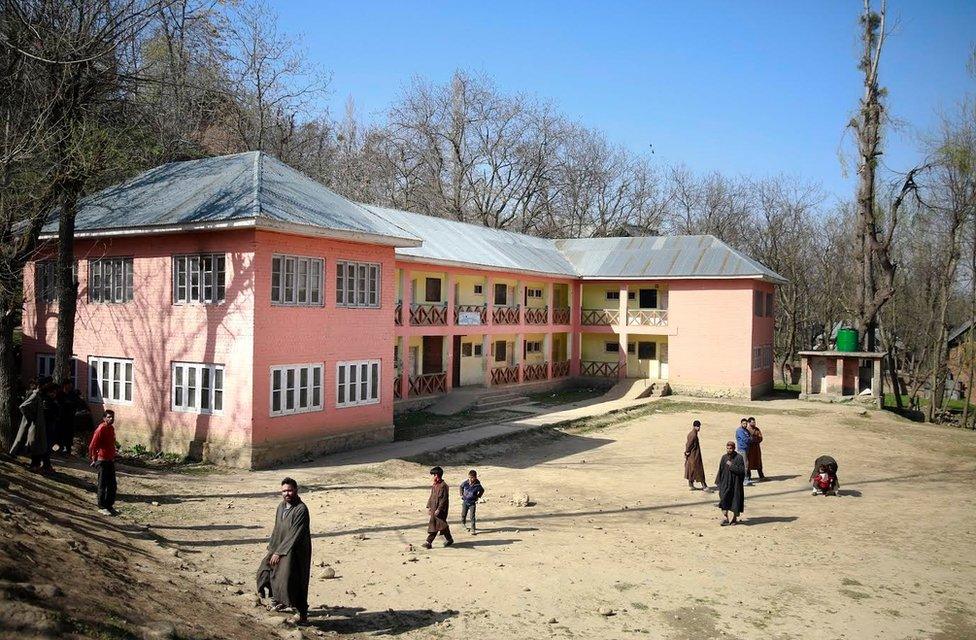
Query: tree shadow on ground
x=850 y=493
x=779 y=478
x=355 y=620
x=767 y=520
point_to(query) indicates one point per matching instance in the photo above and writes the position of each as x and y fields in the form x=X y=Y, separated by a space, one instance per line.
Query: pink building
x=237 y=310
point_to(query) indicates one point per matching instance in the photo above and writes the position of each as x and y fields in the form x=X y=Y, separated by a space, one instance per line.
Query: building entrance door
x=663 y=360
x=433 y=354
x=456 y=363
x=646 y=354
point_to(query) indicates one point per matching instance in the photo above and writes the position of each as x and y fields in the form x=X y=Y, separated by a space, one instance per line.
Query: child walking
x=471 y=492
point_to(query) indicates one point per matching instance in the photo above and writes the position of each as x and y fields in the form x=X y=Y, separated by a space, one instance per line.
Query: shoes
x=448 y=543
x=815 y=493
x=106 y=512
x=426 y=545
x=473 y=532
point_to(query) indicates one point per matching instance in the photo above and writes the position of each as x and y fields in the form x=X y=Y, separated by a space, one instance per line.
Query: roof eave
x=695 y=277
x=478 y=265
x=295 y=228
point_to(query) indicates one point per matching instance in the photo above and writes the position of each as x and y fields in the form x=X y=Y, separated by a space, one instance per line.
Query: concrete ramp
x=456 y=401
x=634 y=388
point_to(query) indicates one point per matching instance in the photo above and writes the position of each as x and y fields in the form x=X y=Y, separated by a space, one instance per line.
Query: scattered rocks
x=552 y=621
x=359 y=536
x=155 y=503
x=409 y=548
x=606 y=611
x=520 y=500
x=292 y=634
x=328 y=573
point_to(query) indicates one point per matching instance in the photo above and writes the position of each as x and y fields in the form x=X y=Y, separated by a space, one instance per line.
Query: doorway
x=663 y=361
x=433 y=354
x=456 y=363
x=648 y=299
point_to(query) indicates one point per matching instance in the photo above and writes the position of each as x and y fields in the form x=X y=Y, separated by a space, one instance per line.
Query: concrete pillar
x=520 y=300
x=622 y=307
x=486 y=358
x=622 y=354
x=804 y=376
x=877 y=387
x=489 y=301
x=575 y=336
x=407 y=366
x=547 y=353
x=519 y=345
x=549 y=298
x=622 y=335
x=447 y=349
x=449 y=282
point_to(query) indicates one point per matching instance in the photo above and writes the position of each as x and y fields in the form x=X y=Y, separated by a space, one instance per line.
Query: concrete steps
x=499 y=400
x=634 y=388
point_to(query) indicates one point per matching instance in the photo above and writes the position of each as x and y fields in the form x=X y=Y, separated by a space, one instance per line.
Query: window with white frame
x=296 y=388
x=357 y=284
x=533 y=293
x=110 y=280
x=533 y=346
x=199 y=278
x=45 y=282
x=613 y=295
x=357 y=383
x=45 y=367
x=110 y=380
x=297 y=281
x=197 y=387
x=479 y=289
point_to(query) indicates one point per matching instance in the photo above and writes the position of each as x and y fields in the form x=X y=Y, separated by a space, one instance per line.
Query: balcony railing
x=560 y=369
x=505 y=315
x=600 y=369
x=560 y=315
x=397 y=387
x=398 y=314
x=504 y=375
x=535 y=371
x=601 y=317
x=469 y=309
x=428 y=315
x=648 y=317
x=536 y=315
x=428 y=384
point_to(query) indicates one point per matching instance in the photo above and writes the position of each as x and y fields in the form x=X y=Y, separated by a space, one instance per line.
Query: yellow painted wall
x=472 y=367
x=534 y=303
x=510 y=352
x=414 y=369
x=465 y=290
x=646 y=368
x=595 y=296
x=535 y=358
x=593 y=349
x=420 y=285
x=560 y=348
x=560 y=296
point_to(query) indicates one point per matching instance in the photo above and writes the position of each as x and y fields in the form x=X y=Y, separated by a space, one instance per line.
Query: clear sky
x=742 y=87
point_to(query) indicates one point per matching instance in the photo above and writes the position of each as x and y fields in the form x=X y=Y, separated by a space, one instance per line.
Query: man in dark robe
x=731 y=495
x=284 y=572
x=754 y=457
x=694 y=469
x=437 y=505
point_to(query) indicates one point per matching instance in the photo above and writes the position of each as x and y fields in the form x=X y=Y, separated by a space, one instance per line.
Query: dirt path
x=613 y=526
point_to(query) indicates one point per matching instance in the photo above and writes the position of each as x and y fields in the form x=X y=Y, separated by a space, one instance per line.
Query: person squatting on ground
x=285 y=570
x=33 y=434
x=731 y=495
x=694 y=469
x=471 y=492
x=823 y=479
x=101 y=453
x=754 y=459
x=437 y=505
x=742 y=441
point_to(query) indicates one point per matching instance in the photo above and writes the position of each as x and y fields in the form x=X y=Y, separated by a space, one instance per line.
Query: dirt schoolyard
x=612 y=544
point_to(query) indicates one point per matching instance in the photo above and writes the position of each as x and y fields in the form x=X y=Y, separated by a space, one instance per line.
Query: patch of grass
x=639 y=606
x=855 y=595
x=780 y=386
x=850 y=582
x=566 y=396
x=623 y=586
x=420 y=424
x=679 y=406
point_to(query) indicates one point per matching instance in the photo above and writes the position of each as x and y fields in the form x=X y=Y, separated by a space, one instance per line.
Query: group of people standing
x=742 y=456
x=283 y=573
x=51 y=415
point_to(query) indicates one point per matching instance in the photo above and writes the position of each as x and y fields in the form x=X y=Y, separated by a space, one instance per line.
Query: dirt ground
x=611 y=528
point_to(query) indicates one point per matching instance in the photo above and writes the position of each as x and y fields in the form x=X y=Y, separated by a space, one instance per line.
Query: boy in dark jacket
x=471 y=492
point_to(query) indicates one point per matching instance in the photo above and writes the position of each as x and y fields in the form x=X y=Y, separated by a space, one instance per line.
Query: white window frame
x=479 y=289
x=123 y=384
x=613 y=295
x=297 y=281
x=210 y=272
x=183 y=372
x=295 y=385
x=110 y=280
x=350 y=384
x=533 y=346
x=45 y=367
x=358 y=284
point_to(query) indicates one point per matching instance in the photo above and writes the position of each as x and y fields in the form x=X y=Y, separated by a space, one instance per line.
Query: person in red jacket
x=101 y=452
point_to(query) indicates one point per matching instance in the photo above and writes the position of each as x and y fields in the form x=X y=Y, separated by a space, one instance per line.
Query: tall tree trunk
x=9 y=369
x=67 y=283
x=968 y=348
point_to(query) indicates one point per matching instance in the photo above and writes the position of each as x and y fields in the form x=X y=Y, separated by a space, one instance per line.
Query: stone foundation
x=270 y=454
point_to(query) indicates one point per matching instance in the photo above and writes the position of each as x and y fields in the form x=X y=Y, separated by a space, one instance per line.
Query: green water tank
x=847 y=340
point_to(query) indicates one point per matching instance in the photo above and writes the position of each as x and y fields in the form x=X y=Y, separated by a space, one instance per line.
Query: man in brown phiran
x=437 y=506
x=755 y=450
x=694 y=469
x=286 y=568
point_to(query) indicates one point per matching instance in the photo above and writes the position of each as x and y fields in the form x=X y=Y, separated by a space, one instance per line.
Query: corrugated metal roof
x=451 y=241
x=661 y=257
x=244 y=186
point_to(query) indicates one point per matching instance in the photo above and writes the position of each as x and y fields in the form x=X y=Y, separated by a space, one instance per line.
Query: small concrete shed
x=838 y=376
